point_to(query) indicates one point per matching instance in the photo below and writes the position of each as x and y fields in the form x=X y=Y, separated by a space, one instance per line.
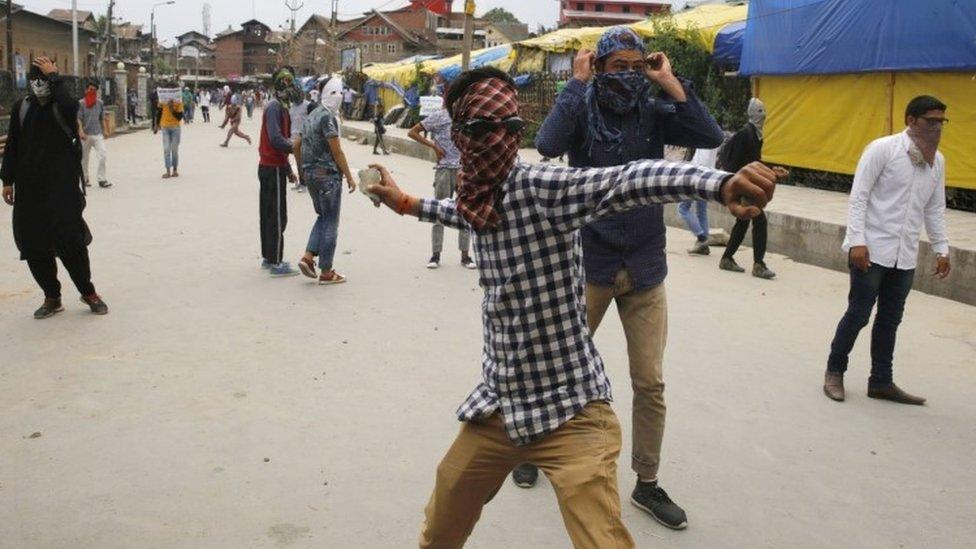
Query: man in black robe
x=41 y=176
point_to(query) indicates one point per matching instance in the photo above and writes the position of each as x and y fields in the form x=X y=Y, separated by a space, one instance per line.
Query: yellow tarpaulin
x=707 y=20
x=703 y=23
x=823 y=122
x=404 y=73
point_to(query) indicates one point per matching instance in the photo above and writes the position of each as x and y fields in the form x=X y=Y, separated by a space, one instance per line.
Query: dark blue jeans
x=326 y=192
x=889 y=288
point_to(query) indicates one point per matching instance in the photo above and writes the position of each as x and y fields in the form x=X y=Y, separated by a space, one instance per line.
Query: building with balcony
x=602 y=13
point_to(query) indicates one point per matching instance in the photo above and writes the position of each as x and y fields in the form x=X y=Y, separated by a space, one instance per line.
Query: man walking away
x=438 y=125
x=899 y=186
x=348 y=95
x=697 y=221
x=205 y=99
x=544 y=392
x=745 y=146
x=168 y=119
x=132 y=102
x=274 y=170
x=189 y=104
x=92 y=129
x=325 y=165
x=42 y=181
x=379 y=130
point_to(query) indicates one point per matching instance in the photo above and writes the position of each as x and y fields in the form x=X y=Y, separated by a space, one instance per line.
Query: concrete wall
x=819 y=243
x=801 y=239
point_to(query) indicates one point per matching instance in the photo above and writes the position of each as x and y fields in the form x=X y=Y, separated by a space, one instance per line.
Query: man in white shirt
x=899 y=185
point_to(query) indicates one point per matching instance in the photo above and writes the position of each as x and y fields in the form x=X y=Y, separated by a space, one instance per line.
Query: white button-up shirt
x=890 y=200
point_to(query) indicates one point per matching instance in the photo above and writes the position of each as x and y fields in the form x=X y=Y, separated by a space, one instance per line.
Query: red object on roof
x=442 y=7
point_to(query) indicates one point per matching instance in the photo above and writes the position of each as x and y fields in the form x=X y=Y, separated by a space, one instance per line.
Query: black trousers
x=45 y=271
x=273 y=210
x=205 y=111
x=758 y=237
x=379 y=142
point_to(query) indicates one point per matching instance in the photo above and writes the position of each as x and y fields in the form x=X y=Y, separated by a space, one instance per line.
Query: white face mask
x=40 y=88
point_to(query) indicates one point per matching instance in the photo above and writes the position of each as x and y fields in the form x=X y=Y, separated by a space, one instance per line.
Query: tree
x=500 y=15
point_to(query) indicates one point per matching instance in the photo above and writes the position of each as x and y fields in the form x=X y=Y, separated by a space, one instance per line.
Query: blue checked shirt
x=539 y=365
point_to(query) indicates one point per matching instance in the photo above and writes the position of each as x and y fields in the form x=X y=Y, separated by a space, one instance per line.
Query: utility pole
x=106 y=41
x=332 y=49
x=468 y=34
x=293 y=6
x=10 y=39
x=74 y=36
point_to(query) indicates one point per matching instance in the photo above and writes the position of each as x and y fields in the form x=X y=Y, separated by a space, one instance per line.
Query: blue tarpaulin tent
x=728 y=44
x=836 y=74
x=844 y=36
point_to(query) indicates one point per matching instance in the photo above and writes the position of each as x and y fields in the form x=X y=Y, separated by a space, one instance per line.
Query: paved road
x=215 y=407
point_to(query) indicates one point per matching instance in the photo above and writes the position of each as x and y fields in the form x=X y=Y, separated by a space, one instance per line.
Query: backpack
x=75 y=142
x=721 y=155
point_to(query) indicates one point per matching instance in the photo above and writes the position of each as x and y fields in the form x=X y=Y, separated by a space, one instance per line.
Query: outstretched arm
x=571 y=198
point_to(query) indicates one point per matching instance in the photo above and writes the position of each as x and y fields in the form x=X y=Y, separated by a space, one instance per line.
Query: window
x=580 y=6
x=599 y=7
x=626 y=9
x=377 y=47
x=391 y=48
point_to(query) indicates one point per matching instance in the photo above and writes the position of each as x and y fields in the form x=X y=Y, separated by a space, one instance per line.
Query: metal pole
x=10 y=38
x=74 y=36
x=152 y=44
x=468 y=34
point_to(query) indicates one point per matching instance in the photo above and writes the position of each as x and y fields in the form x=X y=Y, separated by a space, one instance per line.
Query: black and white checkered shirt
x=539 y=365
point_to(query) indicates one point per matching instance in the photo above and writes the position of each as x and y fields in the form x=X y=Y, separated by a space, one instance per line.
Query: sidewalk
x=807 y=225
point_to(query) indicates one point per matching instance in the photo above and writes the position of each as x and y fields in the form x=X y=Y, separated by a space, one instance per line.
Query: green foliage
x=725 y=97
x=500 y=15
x=163 y=66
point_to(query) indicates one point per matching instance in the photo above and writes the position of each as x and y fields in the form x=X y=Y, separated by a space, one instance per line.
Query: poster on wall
x=21 y=69
x=350 y=58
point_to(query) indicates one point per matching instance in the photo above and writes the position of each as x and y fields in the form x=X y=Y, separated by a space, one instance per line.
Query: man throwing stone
x=544 y=395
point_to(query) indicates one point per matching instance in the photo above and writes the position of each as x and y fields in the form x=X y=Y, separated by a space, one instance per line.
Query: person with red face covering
x=92 y=129
x=544 y=395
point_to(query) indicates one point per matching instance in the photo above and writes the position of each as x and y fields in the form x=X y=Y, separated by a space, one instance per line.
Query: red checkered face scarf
x=485 y=161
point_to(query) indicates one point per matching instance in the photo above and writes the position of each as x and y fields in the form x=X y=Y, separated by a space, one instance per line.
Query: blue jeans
x=171 y=147
x=888 y=287
x=697 y=225
x=326 y=193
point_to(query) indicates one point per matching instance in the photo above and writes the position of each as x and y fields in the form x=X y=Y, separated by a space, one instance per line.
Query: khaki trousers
x=644 y=315
x=579 y=458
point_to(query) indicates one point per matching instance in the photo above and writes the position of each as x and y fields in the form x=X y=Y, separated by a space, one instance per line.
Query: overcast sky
x=186 y=15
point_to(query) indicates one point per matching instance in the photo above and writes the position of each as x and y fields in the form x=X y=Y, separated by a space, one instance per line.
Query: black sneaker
x=48 y=309
x=435 y=261
x=104 y=184
x=95 y=303
x=652 y=498
x=525 y=475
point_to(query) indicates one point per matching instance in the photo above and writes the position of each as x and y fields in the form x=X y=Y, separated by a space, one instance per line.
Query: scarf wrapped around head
x=620 y=92
x=485 y=161
x=756 y=111
x=285 y=92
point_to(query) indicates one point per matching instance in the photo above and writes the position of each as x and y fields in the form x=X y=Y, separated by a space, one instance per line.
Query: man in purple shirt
x=610 y=119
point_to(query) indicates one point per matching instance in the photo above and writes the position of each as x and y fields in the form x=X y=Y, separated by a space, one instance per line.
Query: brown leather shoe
x=834 y=386
x=893 y=393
